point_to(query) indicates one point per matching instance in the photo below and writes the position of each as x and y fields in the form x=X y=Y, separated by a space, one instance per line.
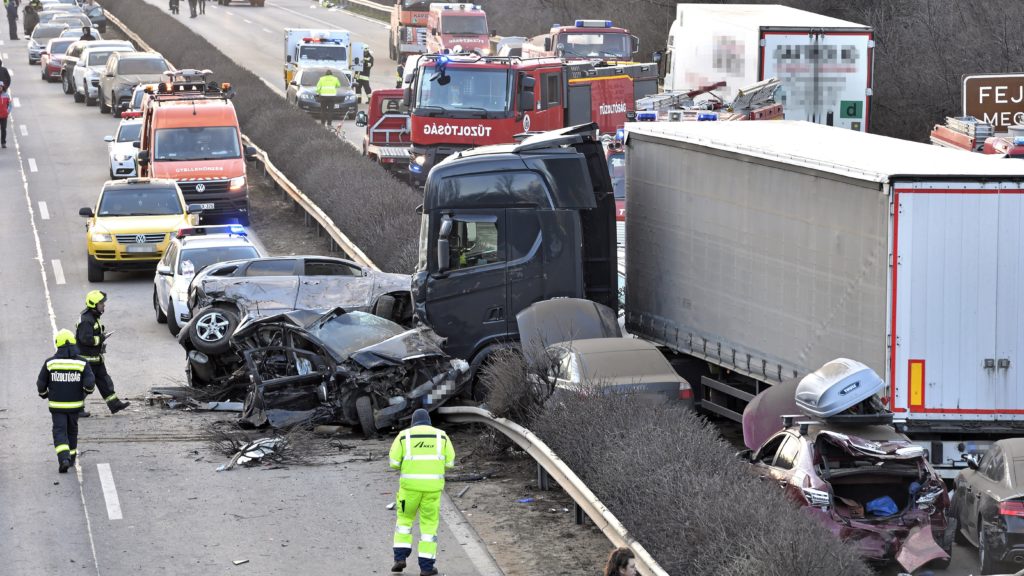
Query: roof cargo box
x=836 y=387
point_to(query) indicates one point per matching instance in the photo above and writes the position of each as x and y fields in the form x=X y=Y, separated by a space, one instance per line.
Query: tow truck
x=387 y=137
x=408 y=29
x=970 y=134
x=304 y=47
x=587 y=39
x=462 y=101
x=457 y=25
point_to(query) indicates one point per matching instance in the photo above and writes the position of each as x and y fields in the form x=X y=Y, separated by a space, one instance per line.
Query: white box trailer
x=825 y=64
x=761 y=250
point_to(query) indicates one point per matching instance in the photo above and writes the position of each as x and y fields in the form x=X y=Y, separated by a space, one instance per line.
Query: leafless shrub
x=676 y=485
x=511 y=392
x=375 y=211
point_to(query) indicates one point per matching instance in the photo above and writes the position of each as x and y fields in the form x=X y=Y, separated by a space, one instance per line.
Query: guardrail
x=566 y=478
x=338 y=238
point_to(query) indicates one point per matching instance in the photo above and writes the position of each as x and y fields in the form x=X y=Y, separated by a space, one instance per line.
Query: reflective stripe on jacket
x=65 y=380
x=422 y=453
x=89 y=334
x=328 y=85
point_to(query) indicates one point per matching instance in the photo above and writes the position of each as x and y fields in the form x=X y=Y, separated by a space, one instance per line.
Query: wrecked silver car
x=842 y=459
x=222 y=294
x=352 y=368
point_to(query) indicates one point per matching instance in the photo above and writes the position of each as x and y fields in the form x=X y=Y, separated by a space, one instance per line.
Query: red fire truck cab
x=586 y=39
x=460 y=102
x=387 y=129
x=450 y=25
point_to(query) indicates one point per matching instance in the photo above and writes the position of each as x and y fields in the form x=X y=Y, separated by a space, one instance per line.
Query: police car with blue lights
x=191 y=250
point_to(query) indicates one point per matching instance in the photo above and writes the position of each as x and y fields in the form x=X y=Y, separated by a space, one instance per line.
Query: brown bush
x=677 y=486
x=375 y=211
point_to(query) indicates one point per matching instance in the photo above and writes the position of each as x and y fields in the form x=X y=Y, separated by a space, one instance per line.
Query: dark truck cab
x=509 y=225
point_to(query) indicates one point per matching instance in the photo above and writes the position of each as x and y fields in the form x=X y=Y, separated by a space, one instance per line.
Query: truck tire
x=172 y=319
x=384 y=307
x=364 y=409
x=210 y=329
x=95 y=271
x=161 y=318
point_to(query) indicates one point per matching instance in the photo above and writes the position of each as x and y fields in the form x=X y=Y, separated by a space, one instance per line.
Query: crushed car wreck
x=866 y=482
x=352 y=368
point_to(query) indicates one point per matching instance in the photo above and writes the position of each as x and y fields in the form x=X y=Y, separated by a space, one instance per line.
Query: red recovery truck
x=458 y=102
x=450 y=25
x=408 y=29
x=387 y=138
x=970 y=134
x=586 y=39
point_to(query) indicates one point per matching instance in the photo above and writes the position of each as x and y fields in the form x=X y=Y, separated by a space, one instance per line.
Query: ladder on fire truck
x=747 y=98
x=962 y=132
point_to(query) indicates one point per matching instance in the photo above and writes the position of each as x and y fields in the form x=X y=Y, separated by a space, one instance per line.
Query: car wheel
x=211 y=328
x=384 y=307
x=989 y=565
x=113 y=107
x=104 y=109
x=95 y=271
x=90 y=101
x=161 y=318
x=64 y=83
x=79 y=98
x=172 y=319
x=364 y=409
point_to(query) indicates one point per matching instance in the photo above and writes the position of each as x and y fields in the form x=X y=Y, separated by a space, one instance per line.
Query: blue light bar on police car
x=593 y=23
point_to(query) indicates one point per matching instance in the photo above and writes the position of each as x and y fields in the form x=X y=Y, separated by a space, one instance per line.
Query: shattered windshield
x=354 y=331
x=590 y=44
x=480 y=89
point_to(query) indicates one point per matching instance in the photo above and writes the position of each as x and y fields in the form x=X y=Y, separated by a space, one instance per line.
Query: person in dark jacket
x=363 y=77
x=64 y=381
x=92 y=342
x=31 y=16
x=12 y=17
x=86 y=34
x=5 y=75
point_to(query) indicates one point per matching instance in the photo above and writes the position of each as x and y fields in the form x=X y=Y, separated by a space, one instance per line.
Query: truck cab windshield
x=471 y=89
x=331 y=52
x=591 y=44
x=464 y=25
x=200 y=143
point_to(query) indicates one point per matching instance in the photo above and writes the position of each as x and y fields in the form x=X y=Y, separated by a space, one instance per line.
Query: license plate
x=140 y=248
x=337 y=105
x=206 y=206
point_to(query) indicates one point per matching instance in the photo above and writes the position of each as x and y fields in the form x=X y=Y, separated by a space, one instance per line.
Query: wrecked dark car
x=866 y=482
x=353 y=368
x=222 y=294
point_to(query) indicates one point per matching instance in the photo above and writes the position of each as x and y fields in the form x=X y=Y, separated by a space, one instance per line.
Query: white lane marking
x=5 y=58
x=1 y=42
x=229 y=12
x=267 y=31
x=246 y=21
x=109 y=491
x=16 y=100
x=467 y=537
x=58 y=272
x=32 y=165
x=44 y=213
x=23 y=129
x=88 y=522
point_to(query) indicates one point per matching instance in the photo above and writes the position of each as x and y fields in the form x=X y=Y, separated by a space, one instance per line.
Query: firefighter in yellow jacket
x=422 y=453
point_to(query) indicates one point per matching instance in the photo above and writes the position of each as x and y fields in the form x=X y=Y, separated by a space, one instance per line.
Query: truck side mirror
x=547 y=44
x=288 y=59
x=361 y=119
x=656 y=56
x=86 y=212
x=971 y=460
x=526 y=102
x=494 y=33
x=433 y=31
x=634 y=44
x=250 y=153
x=143 y=157
x=443 y=254
x=136 y=144
x=407 y=96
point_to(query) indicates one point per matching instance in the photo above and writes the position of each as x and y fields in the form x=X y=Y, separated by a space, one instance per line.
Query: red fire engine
x=387 y=129
x=408 y=29
x=458 y=101
x=585 y=39
x=970 y=134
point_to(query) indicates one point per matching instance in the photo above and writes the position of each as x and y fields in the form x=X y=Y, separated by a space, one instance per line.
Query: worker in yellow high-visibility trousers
x=422 y=453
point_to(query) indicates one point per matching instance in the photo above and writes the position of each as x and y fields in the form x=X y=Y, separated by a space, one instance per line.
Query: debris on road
x=254 y=452
x=237 y=562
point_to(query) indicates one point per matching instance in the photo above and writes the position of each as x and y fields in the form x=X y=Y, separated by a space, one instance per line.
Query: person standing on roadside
x=422 y=453
x=192 y=8
x=363 y=77
x=5 y=75
x=5 y=111
x=12 y=17
x=327 y=92
x=92 y=341
x=64 y=382
x=621 y=562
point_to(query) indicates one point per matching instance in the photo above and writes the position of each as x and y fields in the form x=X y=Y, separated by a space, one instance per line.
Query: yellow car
x=132 y=224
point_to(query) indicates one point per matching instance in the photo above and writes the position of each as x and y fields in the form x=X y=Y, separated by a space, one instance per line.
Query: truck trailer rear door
x=955 y=310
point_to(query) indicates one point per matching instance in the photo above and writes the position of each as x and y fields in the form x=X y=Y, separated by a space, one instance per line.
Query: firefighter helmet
x=64 y=337
x=94 y=297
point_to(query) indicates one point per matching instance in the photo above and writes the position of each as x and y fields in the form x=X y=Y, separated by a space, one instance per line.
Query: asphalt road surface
x=145 y=497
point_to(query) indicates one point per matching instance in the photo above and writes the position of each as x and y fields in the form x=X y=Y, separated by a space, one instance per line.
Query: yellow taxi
x=132 y=224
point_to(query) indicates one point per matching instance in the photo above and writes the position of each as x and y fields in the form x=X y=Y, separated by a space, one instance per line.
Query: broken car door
x=270 y=286
x=326 y=283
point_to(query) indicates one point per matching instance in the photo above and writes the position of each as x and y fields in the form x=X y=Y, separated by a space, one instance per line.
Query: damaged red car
x=844 y=461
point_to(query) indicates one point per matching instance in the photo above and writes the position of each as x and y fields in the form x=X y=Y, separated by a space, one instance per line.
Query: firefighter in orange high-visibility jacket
x=64 y=382
x=422 y=453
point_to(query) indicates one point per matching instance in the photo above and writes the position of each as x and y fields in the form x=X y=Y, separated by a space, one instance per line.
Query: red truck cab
x=190 y=134
x=387 y=137
x=599 y=39
x=450 y=25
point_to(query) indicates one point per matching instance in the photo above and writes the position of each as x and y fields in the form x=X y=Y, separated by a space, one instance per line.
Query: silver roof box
x=836 y=387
